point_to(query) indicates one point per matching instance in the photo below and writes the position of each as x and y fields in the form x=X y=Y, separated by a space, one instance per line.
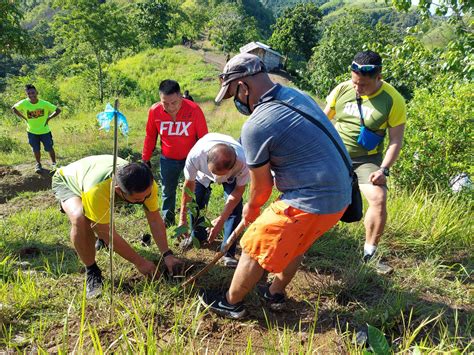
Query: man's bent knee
x=376 y=195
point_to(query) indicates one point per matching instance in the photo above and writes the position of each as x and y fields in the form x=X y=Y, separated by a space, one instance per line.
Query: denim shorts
x=35 y=139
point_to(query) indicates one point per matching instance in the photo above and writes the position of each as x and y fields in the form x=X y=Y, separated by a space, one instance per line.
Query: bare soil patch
x=21 y=179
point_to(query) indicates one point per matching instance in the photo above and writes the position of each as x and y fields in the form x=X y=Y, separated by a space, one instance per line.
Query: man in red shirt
x=180 y=123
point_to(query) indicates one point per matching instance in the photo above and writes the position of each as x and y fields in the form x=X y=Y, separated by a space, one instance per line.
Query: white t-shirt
x=196 y=163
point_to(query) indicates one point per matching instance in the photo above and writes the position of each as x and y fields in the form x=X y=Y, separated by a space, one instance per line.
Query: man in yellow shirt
x=83 y=189
x=368 y=101
x=37 y=114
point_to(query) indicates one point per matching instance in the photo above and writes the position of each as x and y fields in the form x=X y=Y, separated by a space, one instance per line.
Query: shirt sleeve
x=333 y=96
x=19 y=105
x=201 y=125
x=190 y=169
x=151 y=203
x=151 y=136
x=398 y=113
x=256 y=143
x=51 y=108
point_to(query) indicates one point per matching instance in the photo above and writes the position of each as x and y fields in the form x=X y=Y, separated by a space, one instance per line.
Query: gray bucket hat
x=240 y=66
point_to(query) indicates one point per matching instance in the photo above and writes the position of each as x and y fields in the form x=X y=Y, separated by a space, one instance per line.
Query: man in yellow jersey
x=37 y=114
x=83 y=189
x=368 y=101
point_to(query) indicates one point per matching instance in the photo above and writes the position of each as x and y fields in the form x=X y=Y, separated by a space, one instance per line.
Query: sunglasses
x=136 y=202
x=364 y=68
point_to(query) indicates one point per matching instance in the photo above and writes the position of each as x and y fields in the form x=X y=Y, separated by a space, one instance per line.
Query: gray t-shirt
x=196 y=163
x=308 y=169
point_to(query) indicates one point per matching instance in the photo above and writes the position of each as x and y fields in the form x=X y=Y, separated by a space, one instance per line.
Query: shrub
x=77 y=91
x=439 y=135
x=8 y=144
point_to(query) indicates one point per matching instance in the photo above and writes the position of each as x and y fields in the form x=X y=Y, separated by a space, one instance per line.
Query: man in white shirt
x=215 y=158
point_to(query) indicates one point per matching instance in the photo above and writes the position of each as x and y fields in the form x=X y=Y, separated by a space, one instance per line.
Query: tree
x=297 y=31
x=92 y=31
x=440 y=7
x=13 y=38
x=263 y=17
x=229 y=28
x=438 y=144
x=194 y=21
x=152 y=19
x=342 y=39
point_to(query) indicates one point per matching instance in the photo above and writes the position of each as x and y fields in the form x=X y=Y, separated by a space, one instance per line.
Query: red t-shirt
x=177 y=136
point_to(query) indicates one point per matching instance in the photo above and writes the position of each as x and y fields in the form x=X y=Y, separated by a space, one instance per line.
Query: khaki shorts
x=366 y=165
x=281 y=233
x=61 y=191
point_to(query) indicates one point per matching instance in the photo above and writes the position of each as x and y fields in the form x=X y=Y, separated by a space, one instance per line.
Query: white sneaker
x=230 y=262
x=186 y=243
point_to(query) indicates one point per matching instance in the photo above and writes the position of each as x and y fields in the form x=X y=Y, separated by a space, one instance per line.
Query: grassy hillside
x=424 y=306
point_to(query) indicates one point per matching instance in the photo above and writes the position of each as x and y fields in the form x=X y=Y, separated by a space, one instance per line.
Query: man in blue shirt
x=286 y=150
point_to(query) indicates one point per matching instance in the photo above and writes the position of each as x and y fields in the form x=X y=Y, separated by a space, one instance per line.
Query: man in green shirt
x=83 y=189
x=37 y=114
x=382 y=109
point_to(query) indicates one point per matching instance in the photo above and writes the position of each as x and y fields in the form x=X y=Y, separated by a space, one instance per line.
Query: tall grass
x=423 y=307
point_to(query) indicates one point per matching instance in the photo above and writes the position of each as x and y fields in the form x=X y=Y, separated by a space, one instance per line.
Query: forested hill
x=74 y=46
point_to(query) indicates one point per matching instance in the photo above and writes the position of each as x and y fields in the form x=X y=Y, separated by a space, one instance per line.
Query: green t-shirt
x=90 y=178
x=385 y=108
x=37 y=114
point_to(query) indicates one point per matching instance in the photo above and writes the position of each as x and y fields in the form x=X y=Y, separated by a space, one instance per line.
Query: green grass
x=425 y=306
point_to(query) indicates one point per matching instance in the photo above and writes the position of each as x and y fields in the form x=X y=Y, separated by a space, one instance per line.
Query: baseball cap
x=240 y=66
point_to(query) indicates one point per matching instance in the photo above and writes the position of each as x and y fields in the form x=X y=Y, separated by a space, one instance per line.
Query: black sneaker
x=217 y=302
x=146 y=240
x=93 y=284
x=100 y=244
x=367 y=257
x=275 y=302
x=38 y=168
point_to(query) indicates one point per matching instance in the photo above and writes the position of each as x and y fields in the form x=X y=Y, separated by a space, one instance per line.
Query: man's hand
x=174 y=265
x=147 y=268
x=378 y=178
x=250 y=214
x=147 y=163
x=217 y=225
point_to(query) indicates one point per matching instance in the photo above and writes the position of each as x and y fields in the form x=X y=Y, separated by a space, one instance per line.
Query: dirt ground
x=21 y=179
x=17 y=182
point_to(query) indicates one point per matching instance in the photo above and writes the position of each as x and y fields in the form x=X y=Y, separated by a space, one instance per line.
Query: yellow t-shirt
x=385 y=108
x=90 y=178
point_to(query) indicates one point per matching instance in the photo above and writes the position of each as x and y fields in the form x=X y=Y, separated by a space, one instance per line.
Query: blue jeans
x=203 y=194
x=170 y=172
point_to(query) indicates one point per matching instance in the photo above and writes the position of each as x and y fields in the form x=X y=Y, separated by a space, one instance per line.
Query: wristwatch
x=167 y=253
x=385 y=171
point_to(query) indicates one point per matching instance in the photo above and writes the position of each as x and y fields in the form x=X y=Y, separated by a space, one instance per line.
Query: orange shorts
x=281 y=233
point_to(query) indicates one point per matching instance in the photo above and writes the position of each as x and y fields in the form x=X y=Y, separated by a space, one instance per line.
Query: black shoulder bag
x=354 y=211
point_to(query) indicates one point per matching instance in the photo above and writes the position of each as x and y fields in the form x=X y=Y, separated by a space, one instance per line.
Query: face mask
x=244 y=109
